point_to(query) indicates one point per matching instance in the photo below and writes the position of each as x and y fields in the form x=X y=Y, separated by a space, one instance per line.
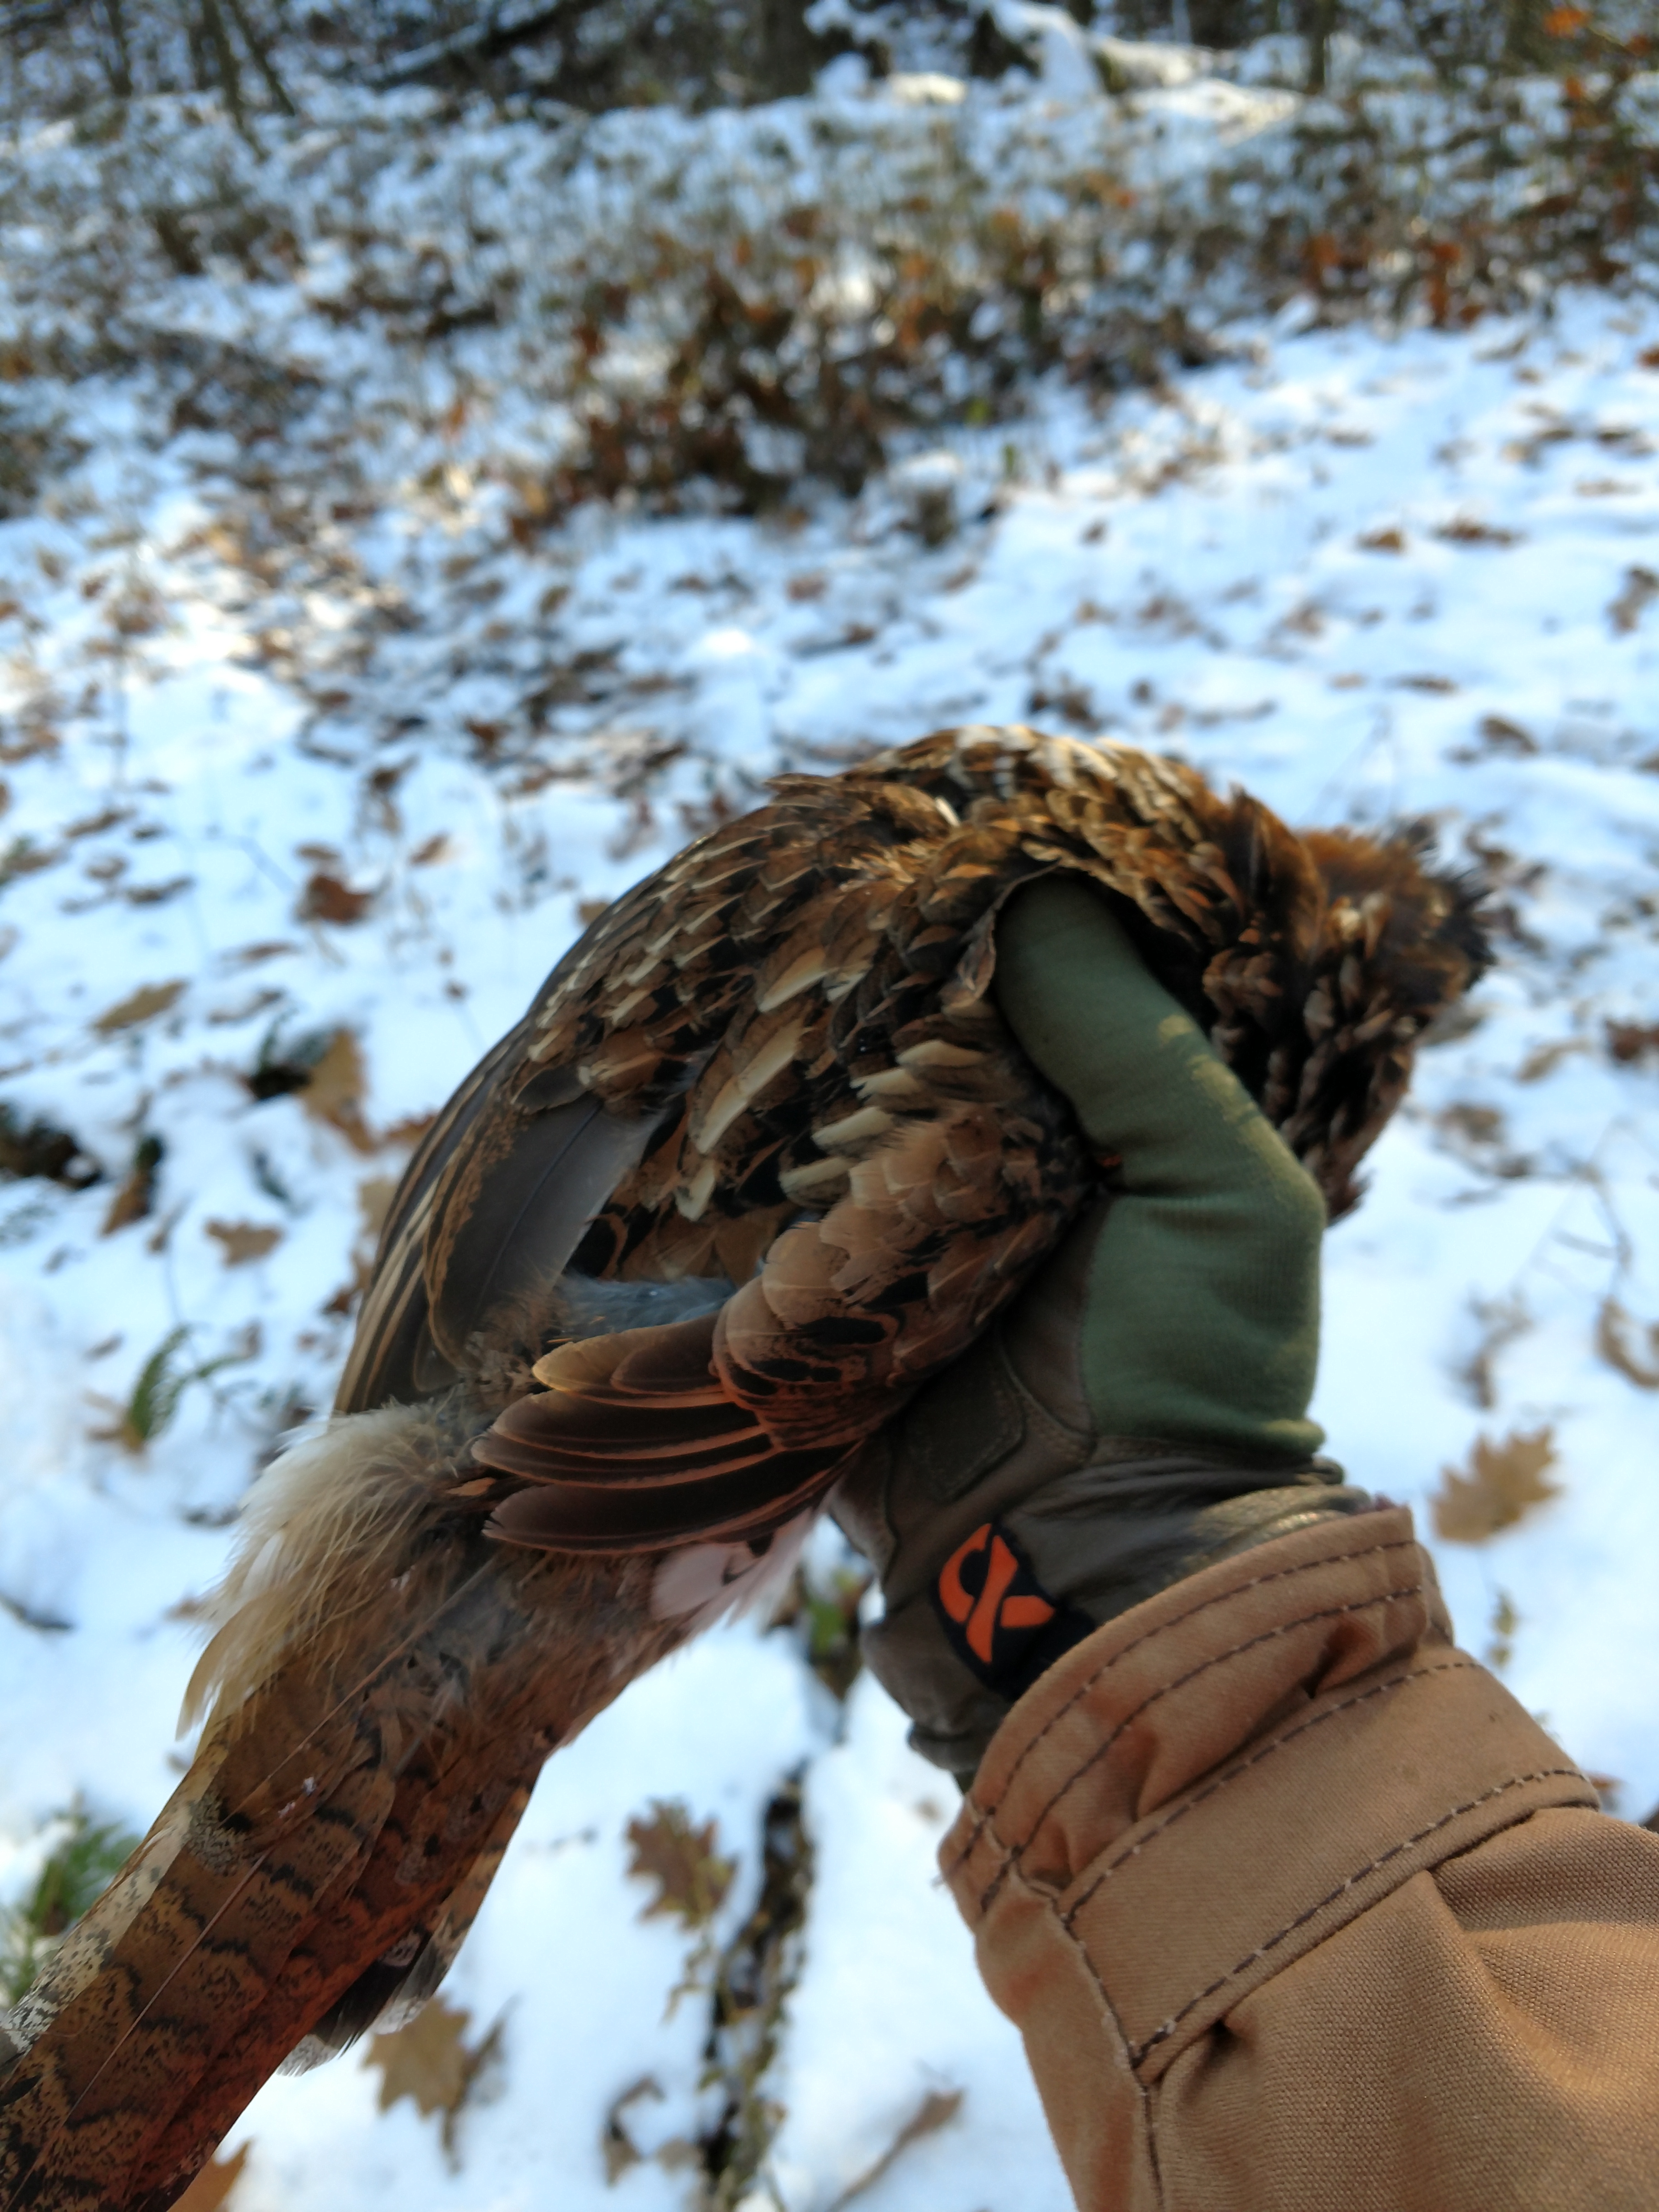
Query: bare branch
x=502 y=29
x=230 y=76
x=262 y=61
x=30 y=18
x=119 y=69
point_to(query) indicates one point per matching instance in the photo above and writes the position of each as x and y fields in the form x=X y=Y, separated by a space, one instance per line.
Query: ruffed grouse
x=760 y=1160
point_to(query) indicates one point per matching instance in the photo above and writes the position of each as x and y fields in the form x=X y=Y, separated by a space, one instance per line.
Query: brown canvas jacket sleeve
x=1299 y=1911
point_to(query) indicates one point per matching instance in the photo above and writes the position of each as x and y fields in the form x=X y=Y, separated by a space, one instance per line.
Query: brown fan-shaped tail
x=371 y=1757
x=636 y=1445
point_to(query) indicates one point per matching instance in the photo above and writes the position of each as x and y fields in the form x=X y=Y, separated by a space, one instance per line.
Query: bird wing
x=774 y=1063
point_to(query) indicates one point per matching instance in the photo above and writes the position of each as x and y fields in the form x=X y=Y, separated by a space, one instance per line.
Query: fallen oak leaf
x=212 y=2186
x=245 y=956
x=1500 y=735
x=1467 y=530
x=244 y=1240
x=1609 y=1787
x=408 y=1132
x=136 y=1199
x=1631 y=1043
x=326 y=898
x=333 y=1091
x=427 y=2060
x=430 y=2061
x=23 y=857
x=936 y=2111
x=1504 y=1483
x=1544 y=1058
x=94 y=825
x=40 y=1148
x=1624 y=613
x=374 y=1197
x=617 y=2146
x=142 y=1005
x=691 y=1878
x=1613 y=1329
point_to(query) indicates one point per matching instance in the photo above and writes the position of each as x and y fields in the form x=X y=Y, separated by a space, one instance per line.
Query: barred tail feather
x=383 y=1686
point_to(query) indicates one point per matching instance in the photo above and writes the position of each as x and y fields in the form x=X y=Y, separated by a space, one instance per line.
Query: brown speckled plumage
x=776 y=1066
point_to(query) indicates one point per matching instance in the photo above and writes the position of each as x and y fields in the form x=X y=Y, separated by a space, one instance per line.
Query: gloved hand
x=1141 y=1409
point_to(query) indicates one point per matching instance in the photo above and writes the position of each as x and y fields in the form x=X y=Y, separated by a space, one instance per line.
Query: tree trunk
x=791 y=55
x=262 y=61
x=119 y=66
x=1319 y=20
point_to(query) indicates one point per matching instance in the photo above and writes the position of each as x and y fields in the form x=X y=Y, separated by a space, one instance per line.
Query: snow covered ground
x=258 y=825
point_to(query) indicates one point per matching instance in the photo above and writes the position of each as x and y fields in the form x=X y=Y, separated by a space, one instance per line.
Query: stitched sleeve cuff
x=1218 y=1780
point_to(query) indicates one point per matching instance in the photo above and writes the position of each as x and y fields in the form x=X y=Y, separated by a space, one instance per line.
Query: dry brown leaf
x=1500 y=1644
x=212 y=2186
x=1502 y=1321
x=334 y=1091
x=1544 y=1058
x=1631 y=1043
x=1609 y=1788
x=1624 y=613
x=428 y=2060
x=156 y=894
x=936 y=2111
x=136 y=1199
x=143 y=1006
x=431 y=2062
x=1500 y=735
x=94 y=825
x=1502 y=1483
x=326 y=898
x=435 y=850
x=132 y=1202
x=1465 y=530
x=374 y=1197
x=272 y=948
x=1382 y=541
x=228 y=1016
x=23 y=857
x=1614 y=1328
x=616 y=2146
x=244 y=1240
x=409 y=1131
x=691 y=1878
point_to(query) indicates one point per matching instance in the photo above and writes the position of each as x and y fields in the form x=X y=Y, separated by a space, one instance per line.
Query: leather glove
x=1140 y=1410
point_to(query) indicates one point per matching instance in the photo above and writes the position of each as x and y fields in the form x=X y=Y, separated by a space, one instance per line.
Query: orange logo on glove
x=1006 y=1602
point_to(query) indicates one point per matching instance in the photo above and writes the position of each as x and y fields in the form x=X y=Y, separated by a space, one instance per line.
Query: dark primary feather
x=761 y=1158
